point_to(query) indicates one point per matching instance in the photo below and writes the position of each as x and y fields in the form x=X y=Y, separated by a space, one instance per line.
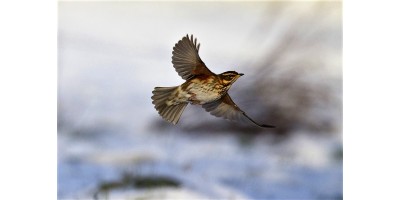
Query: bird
x=201 y=87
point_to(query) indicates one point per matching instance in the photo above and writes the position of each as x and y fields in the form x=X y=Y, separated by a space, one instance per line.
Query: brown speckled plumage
x=202 y=87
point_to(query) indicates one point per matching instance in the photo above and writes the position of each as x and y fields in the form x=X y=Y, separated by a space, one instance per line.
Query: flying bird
x=202 y=87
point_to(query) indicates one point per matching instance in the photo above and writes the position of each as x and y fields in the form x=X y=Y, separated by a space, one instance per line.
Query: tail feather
x=171 y=113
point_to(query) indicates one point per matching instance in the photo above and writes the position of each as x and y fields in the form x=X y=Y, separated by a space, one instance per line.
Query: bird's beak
x=241 y=74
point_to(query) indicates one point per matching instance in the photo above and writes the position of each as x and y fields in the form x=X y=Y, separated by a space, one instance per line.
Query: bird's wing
x=227 y=109
x=186 y=59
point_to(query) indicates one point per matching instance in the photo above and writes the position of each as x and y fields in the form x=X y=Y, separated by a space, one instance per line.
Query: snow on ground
x=111 y=56
x=303 y=166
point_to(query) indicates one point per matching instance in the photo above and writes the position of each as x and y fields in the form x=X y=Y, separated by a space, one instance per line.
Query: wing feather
x=186 y=59
x=227 y=109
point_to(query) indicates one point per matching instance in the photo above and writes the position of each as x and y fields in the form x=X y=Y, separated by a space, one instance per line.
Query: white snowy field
x=110 y=57
x=217 y=167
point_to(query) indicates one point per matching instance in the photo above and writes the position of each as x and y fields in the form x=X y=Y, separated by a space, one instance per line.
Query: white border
x=28 y=86
x=371 y=100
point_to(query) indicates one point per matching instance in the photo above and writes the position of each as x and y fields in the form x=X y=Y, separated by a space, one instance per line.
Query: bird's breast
x=203 y=91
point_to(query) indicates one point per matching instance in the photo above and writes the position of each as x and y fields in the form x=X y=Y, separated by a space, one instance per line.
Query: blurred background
x=112 y=144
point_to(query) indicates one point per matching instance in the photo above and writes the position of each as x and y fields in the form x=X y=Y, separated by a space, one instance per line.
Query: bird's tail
x=170 y=112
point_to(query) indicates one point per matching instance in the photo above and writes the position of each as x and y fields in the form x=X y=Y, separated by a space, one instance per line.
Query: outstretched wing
x=186 y=59
x=227 y=109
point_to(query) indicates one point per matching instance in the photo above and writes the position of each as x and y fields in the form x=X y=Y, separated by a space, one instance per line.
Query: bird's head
x=229 y=77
